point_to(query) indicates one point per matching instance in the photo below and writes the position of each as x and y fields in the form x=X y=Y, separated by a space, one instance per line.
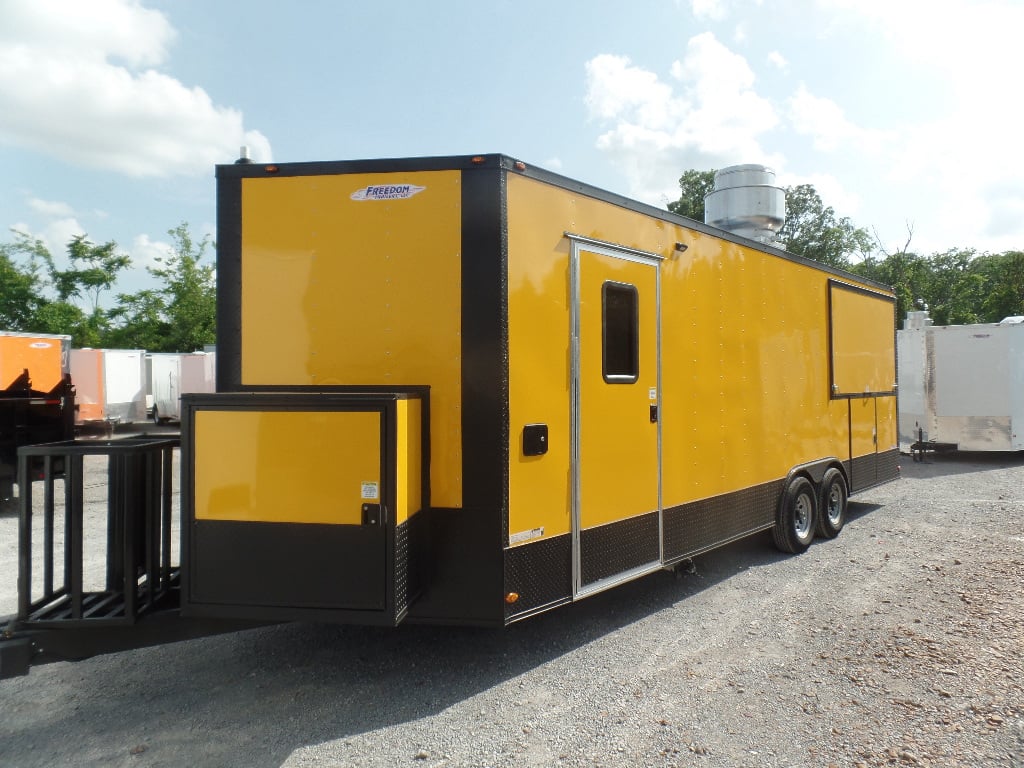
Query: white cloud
x=778 y=61
x=72 y=86
x=826 y=123
x=959 y=150
x=714 y=119
x=831 y=190
x=145 y=251
x=713 y=10
x=51 y=208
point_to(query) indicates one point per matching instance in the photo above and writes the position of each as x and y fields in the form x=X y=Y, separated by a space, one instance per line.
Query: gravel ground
x=900 y=643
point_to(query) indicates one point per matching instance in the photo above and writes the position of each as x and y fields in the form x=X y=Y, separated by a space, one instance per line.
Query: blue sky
x=113 y=113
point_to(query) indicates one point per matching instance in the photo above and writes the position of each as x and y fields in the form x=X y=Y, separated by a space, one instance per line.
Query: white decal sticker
x=387 y=192
x=40 y=345
x=518 y=538
x=370 y=490
x=652 y=393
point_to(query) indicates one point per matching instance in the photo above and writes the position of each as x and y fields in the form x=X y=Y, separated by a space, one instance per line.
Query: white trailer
x=961 y=385
x=110 y=385
x=174 y=374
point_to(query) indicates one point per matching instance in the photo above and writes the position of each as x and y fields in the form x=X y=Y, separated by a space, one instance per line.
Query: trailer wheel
x=795 y=521
x=832 y=504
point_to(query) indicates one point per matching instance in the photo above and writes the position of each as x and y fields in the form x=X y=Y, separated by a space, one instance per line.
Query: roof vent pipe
x=746 y=202
x=243 y=156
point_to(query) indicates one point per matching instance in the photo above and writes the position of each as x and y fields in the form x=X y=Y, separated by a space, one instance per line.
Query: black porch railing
x=140 y=574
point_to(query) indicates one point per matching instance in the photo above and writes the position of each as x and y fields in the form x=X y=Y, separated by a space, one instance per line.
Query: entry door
x=616 y=516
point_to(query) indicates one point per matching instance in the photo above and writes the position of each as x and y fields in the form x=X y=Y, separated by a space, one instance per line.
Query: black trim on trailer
x=874 y=469
x=229 y=283
x=615 y=548
x=700 y=526
x=833 y=395
x=540 y=573
x=467 y=578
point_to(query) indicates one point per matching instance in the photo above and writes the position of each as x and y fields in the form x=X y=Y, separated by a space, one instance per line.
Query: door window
x=620 y=349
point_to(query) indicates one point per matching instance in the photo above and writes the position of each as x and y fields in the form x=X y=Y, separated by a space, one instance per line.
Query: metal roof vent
x=746 y=201
x=917 y=320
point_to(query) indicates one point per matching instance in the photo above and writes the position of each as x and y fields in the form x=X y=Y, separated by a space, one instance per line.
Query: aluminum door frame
x=579 y=244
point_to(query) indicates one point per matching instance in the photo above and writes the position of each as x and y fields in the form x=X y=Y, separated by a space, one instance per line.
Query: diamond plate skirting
x=702 y=525
x=618 y=547
x=540 y=573
x=873 y=469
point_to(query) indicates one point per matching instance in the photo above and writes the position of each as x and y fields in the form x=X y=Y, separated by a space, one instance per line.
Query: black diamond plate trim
x=864 y=472
x=618 y=547
x=888 y=465
x=874 y=469
x=410 y=560
x=701 y=525
x=540 y=573
x=401 y=567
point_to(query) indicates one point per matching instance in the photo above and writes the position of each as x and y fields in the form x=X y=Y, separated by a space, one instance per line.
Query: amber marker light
x=511 y=597
x=520 y=165
x=271 y=168
x=478 y=160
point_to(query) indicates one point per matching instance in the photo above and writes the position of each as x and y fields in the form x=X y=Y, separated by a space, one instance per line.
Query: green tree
x=1002 y=277
x=813 y=230
x=908 y=274
x=93 y=269
x=181 y=314
x=955 y=290
x=694 y=186
x=86 y=330
x=24 y=304
x=21 y=286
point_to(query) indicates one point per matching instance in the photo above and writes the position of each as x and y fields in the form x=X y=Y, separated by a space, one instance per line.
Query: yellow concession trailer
x=467 y=390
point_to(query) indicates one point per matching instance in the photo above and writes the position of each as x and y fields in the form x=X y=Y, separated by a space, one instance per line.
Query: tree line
x=957 y=287
x=178 y=315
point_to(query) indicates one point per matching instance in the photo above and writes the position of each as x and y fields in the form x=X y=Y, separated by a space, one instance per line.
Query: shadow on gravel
x=858 y=509
x=271 y=691
x=959 y=463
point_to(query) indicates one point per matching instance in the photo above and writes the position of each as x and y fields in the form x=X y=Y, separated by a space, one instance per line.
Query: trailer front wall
x=341 y=289
x=42 y=356
x=90 y=386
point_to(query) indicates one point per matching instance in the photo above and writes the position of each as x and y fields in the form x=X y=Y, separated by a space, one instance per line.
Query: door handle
x=654 y=414
x=373 y=514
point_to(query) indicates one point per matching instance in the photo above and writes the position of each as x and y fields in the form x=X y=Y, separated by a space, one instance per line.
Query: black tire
x=797 y=516
x=832 y=497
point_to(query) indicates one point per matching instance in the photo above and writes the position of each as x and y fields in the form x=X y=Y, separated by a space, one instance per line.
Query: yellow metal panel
x=618 y=441
x=859 y=321
x=745 y=351
x=409 y=459
x=286 y=466
x=862 y=427
x=344 y=291
x=886 y=420
x=539 y=364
